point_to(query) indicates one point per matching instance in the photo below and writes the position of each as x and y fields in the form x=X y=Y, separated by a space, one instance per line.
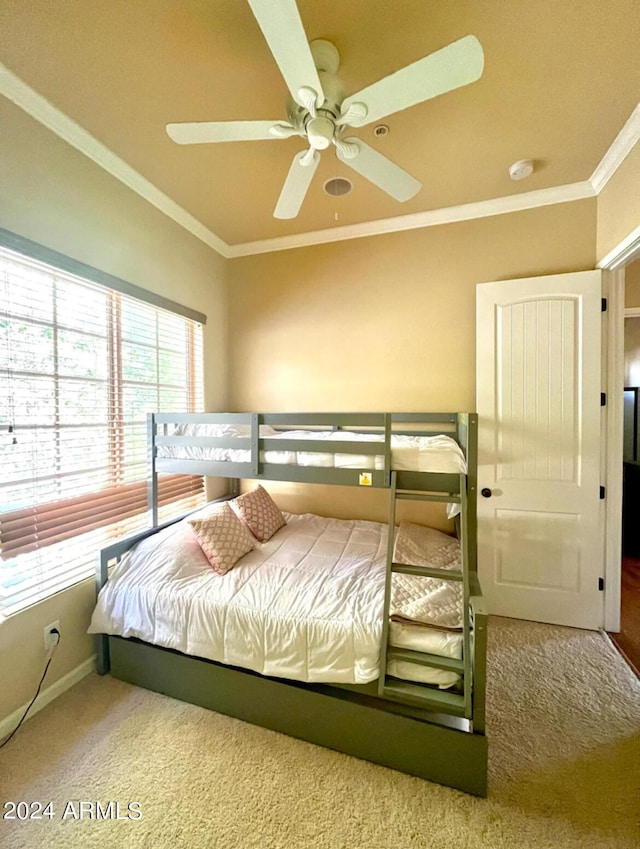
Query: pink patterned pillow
x=223 y=538
x=260 y=512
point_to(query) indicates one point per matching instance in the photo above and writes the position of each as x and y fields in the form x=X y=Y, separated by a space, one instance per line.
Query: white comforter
x=408 y=453
x=306 y=605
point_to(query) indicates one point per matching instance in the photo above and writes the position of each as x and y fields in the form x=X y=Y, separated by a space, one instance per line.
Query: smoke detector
x=521 y=170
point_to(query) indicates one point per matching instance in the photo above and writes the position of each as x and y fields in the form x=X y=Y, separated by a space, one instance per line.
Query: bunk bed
x=413 y=705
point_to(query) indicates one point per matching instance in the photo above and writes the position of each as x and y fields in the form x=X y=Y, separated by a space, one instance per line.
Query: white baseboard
x=48 y=695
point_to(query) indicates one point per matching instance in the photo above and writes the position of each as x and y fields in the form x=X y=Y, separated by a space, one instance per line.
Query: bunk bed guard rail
x=237 y=445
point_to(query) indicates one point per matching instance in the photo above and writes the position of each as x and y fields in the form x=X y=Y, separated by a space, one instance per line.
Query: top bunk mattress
x=439 y=453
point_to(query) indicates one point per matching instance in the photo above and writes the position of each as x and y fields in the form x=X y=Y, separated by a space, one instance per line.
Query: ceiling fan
x=320 y=113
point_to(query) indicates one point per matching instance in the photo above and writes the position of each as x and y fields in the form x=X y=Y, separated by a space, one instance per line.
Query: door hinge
x=603 y=399
x=602 y=492
x=604 y=305
x=601 y=584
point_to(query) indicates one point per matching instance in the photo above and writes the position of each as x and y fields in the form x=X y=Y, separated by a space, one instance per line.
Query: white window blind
x=80 y=367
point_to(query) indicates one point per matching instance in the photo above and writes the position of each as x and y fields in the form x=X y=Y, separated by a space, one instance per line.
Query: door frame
x=613 y=265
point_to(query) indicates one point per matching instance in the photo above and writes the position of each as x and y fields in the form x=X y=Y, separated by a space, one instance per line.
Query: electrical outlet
x=51 y=640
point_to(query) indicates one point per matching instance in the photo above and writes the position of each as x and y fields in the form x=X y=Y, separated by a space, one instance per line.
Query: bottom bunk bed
x=290 y=637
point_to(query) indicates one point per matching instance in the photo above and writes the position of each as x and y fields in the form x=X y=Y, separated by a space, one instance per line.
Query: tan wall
x=384 y=323
x=378 y=323
x=632 y=284
x=52 y=194
x=619 y=205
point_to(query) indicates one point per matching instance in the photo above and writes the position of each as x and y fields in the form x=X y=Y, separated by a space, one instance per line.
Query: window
x=80 y=366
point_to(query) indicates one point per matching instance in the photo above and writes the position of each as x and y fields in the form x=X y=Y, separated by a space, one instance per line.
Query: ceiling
x=560 y=80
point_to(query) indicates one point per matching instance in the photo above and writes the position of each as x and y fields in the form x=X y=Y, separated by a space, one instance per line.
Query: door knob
x=486 y=492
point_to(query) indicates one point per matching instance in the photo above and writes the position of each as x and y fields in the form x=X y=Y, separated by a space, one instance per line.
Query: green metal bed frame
x=435 y=734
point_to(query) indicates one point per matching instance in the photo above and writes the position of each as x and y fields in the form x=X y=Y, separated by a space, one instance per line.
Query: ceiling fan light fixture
x=320 y=132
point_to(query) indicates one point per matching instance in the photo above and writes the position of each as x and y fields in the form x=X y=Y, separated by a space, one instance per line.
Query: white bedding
x=408 y=453
x=306 y=605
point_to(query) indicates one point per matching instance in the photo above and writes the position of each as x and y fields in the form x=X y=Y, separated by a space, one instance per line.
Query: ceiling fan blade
x=282 y=28
x=451 y=67
x=380 y=171
x=222 y=131
x=296 y=185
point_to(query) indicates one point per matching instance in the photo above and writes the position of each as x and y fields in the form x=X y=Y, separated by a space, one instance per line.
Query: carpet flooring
x=564 y=736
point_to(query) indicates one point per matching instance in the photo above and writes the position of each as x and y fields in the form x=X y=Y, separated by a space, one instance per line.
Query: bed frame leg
x=103 y=662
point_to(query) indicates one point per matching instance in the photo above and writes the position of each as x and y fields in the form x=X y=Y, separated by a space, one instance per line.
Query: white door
x=540 y=514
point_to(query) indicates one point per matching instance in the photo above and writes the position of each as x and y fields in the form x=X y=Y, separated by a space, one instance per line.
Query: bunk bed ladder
x=387 y=585
x=455 y=702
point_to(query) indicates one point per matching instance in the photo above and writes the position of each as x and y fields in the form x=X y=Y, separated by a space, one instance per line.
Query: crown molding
x=39 y=108
x=622 y=145
x=627 y=251
x=419 y=220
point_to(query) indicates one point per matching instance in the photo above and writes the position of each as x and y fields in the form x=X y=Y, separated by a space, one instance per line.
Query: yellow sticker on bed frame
x=365 y=479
